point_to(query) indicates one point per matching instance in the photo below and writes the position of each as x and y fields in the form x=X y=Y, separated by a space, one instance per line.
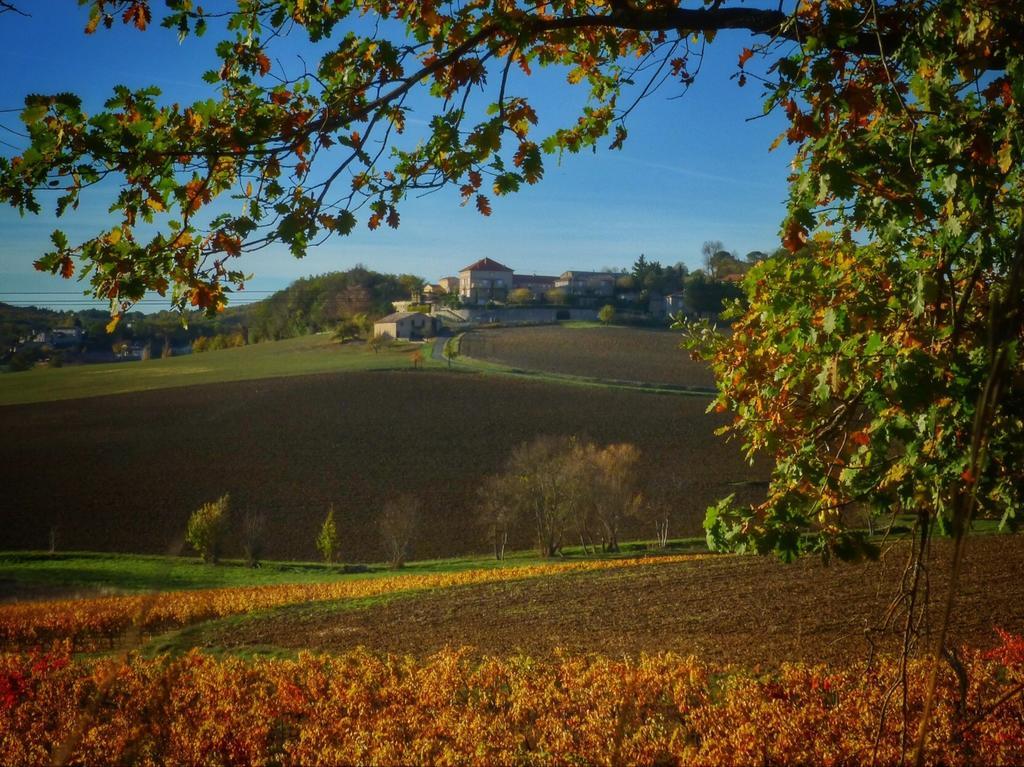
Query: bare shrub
x=397 y=524
x=254 y=526
x=497 y=515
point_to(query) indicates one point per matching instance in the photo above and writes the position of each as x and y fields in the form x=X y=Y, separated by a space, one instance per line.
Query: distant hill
x=314 y=304
x=308 y=305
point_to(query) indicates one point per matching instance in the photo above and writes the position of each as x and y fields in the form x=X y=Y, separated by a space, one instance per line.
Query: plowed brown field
x=123 y=473
x=732 y=609
x=617 y=353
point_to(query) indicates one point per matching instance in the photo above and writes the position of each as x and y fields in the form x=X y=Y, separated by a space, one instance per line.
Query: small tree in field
x=416 y=358
x=657 y=508
x=616 y=496
x=451 y=350
x=536 y=487
x=607 y=314
x=377 y=343
x=497 y=513
x=253 y=537
x=207 y=529
x=346 y=329
x=327 y=542
x=397 y=525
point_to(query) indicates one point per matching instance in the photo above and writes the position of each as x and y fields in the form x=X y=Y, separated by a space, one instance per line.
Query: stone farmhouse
x=409 y=325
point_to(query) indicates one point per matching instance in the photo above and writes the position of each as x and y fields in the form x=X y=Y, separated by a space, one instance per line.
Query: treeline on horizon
x=322 y=302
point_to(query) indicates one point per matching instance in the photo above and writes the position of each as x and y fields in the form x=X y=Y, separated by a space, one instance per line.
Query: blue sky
x=694 y=168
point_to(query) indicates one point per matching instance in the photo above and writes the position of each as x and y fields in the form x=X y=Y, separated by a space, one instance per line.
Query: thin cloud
x=737 y=181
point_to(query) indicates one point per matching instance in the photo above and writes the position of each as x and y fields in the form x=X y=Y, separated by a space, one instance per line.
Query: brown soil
x=623 y=354
x=730 y=609
x=123 y=473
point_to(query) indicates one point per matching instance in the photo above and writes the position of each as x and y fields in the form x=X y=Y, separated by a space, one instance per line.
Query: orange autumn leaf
x=138 y=13
x=195 y=195
x=230 y=245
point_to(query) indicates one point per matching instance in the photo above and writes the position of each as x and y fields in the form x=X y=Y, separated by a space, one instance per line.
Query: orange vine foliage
x=85 y=622
x=360 y=708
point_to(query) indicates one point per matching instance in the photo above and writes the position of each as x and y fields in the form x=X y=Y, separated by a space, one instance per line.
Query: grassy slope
x=144 y=572
x=292 y=357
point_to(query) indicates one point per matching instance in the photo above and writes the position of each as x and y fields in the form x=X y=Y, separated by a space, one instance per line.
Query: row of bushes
x=221 y=341
x=209 y=532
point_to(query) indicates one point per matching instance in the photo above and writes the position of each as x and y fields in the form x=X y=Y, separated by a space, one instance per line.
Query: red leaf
x=795 y=236
x=745 y=56
x=393 y=217
x=67 y=268
x=263 y=62
x=483 y=205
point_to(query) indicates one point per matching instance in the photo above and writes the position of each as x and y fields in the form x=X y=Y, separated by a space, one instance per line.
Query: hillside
x=292 y=357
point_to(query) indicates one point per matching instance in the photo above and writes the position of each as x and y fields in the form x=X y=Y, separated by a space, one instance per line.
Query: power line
x=76 y=293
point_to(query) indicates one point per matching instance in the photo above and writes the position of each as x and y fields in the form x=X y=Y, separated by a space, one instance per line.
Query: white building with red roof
x=484 y=280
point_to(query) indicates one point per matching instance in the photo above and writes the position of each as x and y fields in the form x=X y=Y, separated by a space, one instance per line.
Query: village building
x=66 y=338
x=449 y=284
x=413 y=326
x=577 y=283
x=537 y=284
x=431 y=292
x=484 y=280
x=676 y=302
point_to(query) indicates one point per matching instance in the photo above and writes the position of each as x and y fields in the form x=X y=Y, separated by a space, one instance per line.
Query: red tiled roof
x=486 y=265
x=526 y=279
